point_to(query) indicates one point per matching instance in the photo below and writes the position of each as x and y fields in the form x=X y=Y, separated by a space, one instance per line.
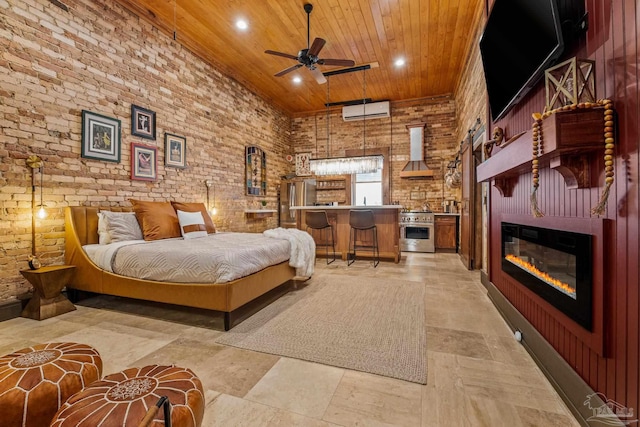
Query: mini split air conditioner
x=375 y=110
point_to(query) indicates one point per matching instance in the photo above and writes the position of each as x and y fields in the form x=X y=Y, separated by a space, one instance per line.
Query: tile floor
x=478 y=375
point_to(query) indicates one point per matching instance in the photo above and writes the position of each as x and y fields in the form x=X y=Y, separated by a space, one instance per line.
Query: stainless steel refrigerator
x=298 y=192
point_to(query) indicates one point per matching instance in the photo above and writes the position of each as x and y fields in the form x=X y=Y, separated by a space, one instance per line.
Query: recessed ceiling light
x=399 y=62
x=242 y=24
x=297 y=80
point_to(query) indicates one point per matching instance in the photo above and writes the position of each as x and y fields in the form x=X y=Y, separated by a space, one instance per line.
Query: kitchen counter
x=446 y=213
x=387 y=223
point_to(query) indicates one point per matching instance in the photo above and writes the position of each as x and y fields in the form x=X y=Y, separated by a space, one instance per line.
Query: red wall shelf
x=568 y=139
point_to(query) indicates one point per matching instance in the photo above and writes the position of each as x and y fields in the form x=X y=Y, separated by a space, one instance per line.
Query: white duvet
x=217 y=258
x=303 y=249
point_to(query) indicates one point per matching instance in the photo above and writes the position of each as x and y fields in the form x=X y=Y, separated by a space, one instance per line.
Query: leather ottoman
x=34 y=381
x=123 y=399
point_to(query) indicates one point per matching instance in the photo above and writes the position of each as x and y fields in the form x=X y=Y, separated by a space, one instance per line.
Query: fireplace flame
x=545 y=277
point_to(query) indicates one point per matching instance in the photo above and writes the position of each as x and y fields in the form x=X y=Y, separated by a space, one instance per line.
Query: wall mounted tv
x=520 y=40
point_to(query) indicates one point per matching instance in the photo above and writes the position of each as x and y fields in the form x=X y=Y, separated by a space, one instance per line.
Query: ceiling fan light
x=308 y=56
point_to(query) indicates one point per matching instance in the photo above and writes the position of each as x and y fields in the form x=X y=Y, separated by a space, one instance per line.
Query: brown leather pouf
x=36 y=380
x=123 y=399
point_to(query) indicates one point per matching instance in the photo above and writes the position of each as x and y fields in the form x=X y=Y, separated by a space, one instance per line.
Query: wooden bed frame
x=81 y=228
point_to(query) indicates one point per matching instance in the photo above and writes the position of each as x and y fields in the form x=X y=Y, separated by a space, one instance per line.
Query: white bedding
x=217 y=258
x=303 y=248
x=101 y=255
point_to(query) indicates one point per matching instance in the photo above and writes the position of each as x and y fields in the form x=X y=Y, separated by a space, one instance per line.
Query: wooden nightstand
x=47 y=301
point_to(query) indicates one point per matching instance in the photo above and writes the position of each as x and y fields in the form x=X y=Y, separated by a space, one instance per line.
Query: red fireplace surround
x=599 y=229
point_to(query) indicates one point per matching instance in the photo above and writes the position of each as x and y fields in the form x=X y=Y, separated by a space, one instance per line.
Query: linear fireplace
x=554 y=264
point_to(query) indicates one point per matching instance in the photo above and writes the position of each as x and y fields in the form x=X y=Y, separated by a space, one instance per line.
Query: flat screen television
x=520 y=40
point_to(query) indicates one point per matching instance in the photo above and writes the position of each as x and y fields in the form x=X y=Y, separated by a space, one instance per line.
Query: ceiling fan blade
x=286 y=55
x=359 y=67
x=288 y=70
x=338 y=62
x=317 y=74
x=316 y=46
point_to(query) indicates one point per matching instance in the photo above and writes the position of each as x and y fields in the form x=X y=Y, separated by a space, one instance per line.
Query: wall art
x=100 y=137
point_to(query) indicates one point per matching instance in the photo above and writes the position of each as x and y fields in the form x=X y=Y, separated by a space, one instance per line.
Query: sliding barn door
x=471 y=210
x=467 y=217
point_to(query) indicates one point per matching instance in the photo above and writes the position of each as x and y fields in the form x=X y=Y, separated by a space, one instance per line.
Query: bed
x=81 y=228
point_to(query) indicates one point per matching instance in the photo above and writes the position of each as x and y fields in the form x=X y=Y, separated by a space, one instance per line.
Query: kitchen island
x=387 y=222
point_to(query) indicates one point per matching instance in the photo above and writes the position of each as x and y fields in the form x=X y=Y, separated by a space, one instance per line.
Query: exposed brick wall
x=99 y=57
x=309 y=134
x=471 y=95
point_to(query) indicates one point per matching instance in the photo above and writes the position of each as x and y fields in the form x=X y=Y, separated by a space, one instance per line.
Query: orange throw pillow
x=196 y=207
x=158 y=220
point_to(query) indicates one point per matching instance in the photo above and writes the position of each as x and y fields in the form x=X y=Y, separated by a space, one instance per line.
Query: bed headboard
x=84 y=221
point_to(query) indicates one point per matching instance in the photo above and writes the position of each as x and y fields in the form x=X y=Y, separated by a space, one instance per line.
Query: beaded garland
x=536 y=136
x=609 y=142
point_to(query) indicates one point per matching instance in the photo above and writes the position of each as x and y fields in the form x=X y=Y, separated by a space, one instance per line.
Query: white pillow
x=103 y=230
x=191 y=224
x=119 y=226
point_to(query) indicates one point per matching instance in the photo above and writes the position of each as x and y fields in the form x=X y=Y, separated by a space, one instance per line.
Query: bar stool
x=317 y=220
x=362 y=220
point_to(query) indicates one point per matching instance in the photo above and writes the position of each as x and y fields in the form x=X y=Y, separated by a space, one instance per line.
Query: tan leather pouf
x=36 y=380
x=123 y=399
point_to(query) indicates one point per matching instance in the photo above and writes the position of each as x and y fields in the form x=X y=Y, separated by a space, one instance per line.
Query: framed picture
x=303 y=168
x=143 y=122
x=144 y=164
x=175 y=151
x=255 y=171
x=100 y=137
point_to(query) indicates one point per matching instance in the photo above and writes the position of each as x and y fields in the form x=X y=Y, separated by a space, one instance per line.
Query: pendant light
x=348 y=165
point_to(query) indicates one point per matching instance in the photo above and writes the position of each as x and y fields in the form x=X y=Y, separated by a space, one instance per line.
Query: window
x=368 y=189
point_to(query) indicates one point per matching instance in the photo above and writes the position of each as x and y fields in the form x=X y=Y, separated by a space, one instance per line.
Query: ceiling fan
x=309 y=56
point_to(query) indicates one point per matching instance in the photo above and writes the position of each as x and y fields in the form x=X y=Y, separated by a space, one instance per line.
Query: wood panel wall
x=612 y=41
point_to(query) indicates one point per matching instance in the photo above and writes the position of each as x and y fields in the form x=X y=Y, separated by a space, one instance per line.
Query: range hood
x=417 y=167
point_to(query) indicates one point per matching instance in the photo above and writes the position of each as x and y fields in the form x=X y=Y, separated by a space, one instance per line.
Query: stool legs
x=376 y=249
x=352 y=259
x=323 y=234
x=333 y=245
x=353 y=236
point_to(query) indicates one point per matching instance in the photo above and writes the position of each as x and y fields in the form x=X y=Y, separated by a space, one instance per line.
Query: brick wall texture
x=309 y=134
x=101 y=58
x=471 y=93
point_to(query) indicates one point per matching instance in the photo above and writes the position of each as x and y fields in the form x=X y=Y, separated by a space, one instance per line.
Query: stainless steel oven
x=417 y=232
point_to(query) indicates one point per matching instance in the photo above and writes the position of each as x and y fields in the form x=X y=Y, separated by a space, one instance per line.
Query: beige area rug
x=365 y=324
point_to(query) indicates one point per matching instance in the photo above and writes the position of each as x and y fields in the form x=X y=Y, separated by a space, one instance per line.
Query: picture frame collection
x=102 y=135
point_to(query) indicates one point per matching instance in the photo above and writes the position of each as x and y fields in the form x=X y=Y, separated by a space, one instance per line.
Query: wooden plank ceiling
x=434 y=37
